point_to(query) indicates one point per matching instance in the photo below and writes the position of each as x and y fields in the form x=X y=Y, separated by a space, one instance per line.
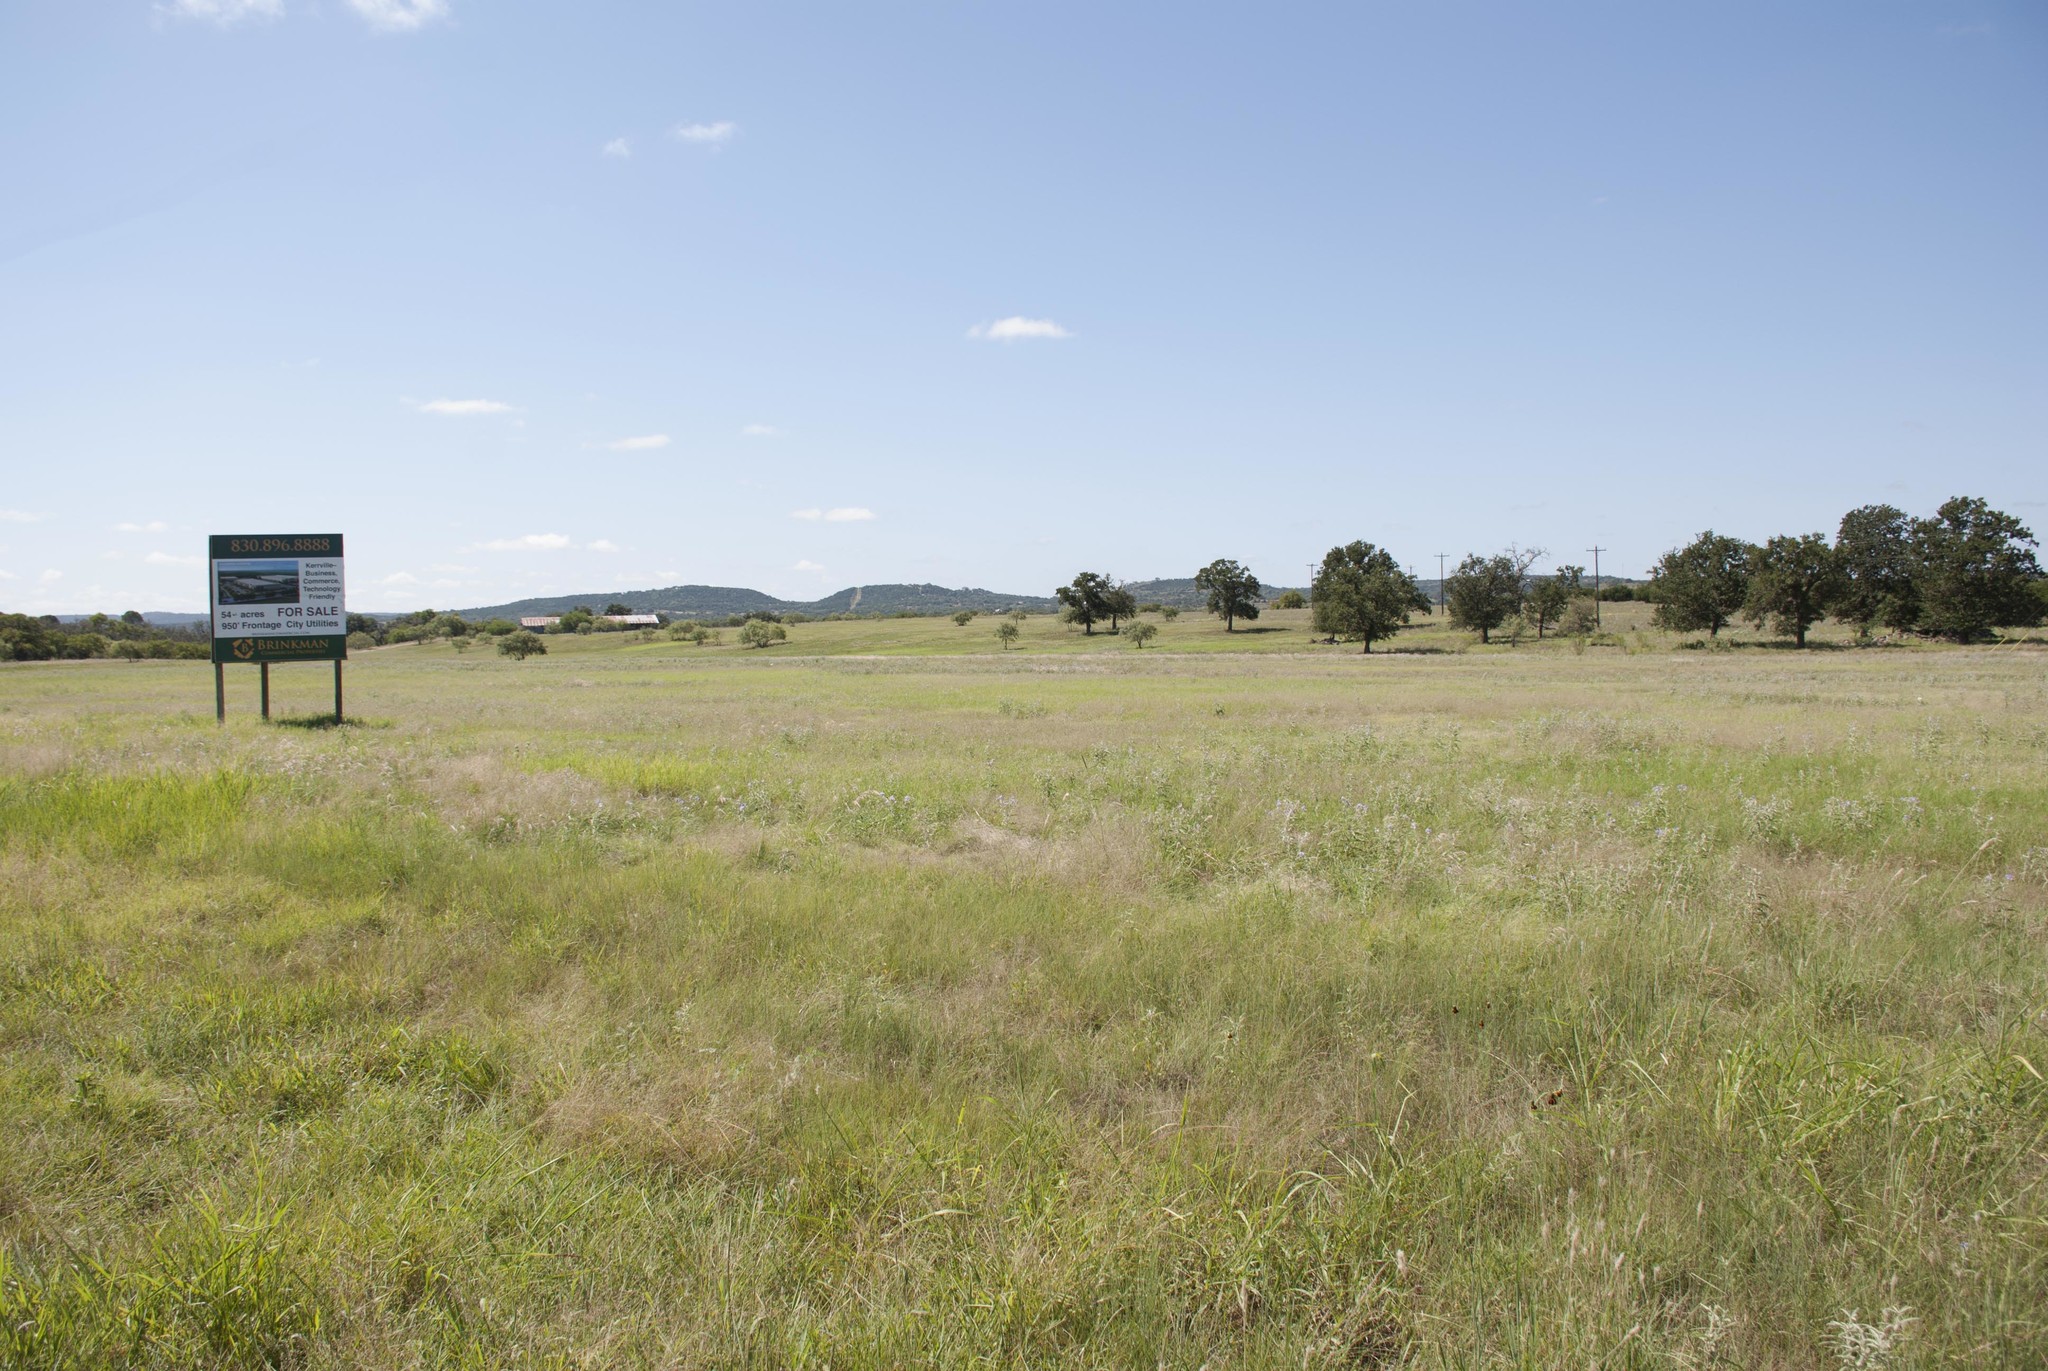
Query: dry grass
x=652 y=1005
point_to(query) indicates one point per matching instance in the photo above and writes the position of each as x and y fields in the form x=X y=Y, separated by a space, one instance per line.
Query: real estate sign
x=277 y=597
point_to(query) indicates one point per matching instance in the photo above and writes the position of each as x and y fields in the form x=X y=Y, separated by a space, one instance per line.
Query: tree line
x=44 y=638
x=1957 y=574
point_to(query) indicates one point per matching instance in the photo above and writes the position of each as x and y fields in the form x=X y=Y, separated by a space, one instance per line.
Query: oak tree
x=1975 y=570
x=1361 y=593
x=1549 y=597
x=1701 y=585
x=1233 y=592
x=1086 y=600
x=1792 y=583
x=1484 y=592
x=1874 y=549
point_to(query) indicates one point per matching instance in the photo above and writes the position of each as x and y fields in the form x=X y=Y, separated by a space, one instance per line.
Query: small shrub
x=1581 y=619
x=521 y=645
x=964 y=617
x=762 y=633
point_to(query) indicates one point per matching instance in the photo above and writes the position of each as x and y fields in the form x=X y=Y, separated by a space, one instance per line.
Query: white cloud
x=715 y=135
x=172 y=559
x=645 y=443
x=445 y=567
x=20 y=516
x=153 y=526
x=222 y=12
x=1017 y=328
x=50 y=577
x=400 y=578
x=463 y=407
x=399 y=16
x=807 y=565
x=618 y=147
x=845 y=514
x=8 y=576
x=604 y=545
x=760 y=431
x=531 y=542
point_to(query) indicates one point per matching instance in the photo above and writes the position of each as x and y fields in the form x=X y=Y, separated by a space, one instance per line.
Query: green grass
x=1627 y=628
x=864 y=1003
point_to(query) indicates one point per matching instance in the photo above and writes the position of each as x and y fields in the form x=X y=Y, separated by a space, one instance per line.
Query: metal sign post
x=275 y=597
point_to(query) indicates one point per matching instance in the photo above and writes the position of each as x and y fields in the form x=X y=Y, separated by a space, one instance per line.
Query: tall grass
x=1475 y=1011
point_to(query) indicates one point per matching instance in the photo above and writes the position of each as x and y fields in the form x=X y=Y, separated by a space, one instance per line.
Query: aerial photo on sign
x=268 y=582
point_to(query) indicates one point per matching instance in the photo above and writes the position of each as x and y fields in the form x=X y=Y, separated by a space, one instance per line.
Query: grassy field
x=887 y=999
x=1627 y=629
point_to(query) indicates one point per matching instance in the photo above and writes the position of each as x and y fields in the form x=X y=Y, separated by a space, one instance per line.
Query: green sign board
x=277 y=597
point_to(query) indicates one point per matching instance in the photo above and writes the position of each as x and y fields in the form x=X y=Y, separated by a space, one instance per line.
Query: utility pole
x=1311 y=580
x=1440 y=579
x=1596 y=551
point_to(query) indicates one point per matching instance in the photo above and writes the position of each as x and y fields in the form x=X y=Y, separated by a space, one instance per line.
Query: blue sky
x=539 y=298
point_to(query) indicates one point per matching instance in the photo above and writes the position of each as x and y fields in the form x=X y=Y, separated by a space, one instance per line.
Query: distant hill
x=152 y=617
x=715 y=602
x=923 y=599
x=693 y=602
x=1180 y=592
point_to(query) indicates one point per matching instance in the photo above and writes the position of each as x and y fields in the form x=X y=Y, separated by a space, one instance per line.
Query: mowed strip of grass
x=615 y=1008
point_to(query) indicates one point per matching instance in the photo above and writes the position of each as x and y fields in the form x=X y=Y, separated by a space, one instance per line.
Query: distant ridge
x=153 y=617
x=715 y=602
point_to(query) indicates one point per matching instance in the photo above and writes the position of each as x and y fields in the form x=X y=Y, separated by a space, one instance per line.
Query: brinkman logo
x=245 y=648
